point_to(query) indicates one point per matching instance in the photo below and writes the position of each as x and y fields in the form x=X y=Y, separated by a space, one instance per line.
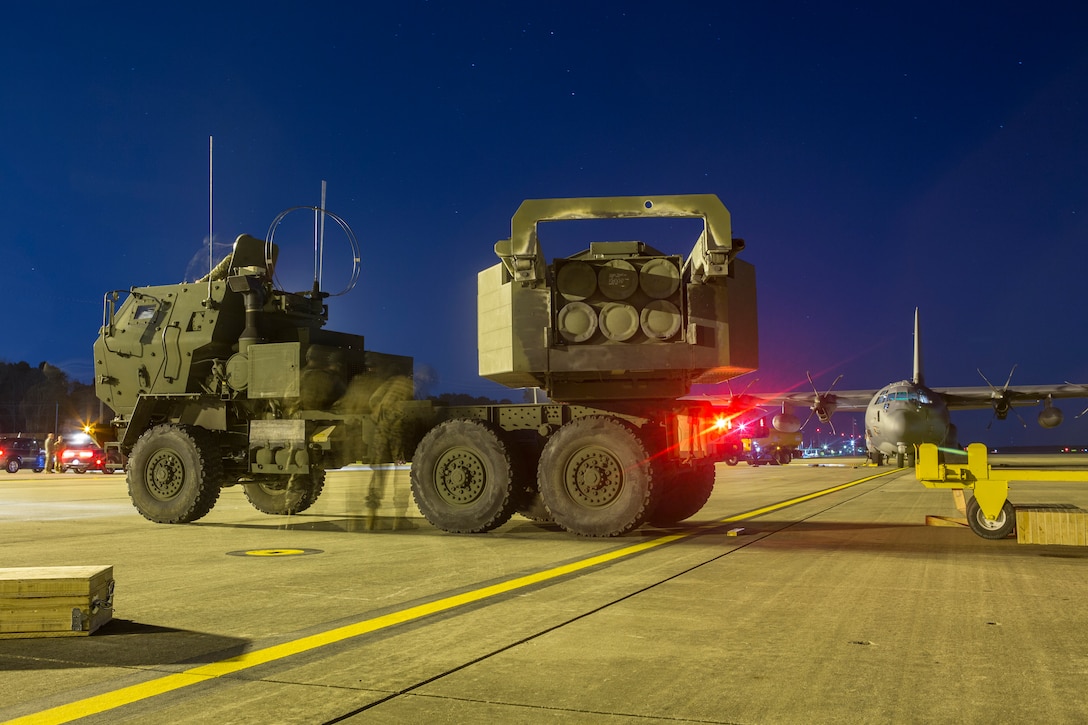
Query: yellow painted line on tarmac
x=204 y=673
x=807 y=497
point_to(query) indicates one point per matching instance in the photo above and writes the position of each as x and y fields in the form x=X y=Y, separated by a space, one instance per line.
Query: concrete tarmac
x=772 y=605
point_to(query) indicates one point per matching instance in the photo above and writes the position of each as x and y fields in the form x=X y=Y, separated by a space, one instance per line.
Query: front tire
x=596 y=477
x=462 y=477
x=174 y=474
x=285 y=495
x=991 y=529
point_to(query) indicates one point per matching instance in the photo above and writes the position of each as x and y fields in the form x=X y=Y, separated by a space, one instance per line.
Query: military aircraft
x=904 y=414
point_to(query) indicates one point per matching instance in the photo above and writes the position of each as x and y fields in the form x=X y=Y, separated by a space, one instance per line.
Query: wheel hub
x=990 y=524
x=165 y=475
x=460 y=477
x=593 y=477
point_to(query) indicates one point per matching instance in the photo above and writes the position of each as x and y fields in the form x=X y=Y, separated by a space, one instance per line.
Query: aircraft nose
x=903 y=426
x=896 y=425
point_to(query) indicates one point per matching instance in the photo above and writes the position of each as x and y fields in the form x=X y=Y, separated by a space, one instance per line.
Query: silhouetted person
x=387 y=446
x=50 y=451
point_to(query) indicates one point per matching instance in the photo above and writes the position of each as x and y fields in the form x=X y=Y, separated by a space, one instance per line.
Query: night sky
x=875 y=160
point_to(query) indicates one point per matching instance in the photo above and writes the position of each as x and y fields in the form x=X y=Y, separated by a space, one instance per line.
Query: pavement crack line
x=558 y=710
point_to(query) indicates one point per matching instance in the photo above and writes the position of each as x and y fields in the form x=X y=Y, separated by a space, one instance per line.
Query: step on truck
x=231 y=380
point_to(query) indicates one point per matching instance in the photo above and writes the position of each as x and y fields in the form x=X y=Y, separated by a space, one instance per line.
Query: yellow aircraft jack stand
x=989 y=512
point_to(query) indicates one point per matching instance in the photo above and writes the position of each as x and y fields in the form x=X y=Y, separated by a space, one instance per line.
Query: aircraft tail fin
x=919 y=376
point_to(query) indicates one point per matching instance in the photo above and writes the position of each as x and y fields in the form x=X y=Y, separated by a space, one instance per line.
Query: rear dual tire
x=685 y=493
x=285 y=495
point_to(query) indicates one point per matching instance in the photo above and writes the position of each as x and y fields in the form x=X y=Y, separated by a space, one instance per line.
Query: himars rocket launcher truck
x=229 y=380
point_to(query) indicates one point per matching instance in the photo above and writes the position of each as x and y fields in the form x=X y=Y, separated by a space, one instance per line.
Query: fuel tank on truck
x=620 y=320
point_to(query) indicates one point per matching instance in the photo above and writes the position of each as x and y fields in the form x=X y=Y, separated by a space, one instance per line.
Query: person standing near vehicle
x=58 y=449
x=50 y=449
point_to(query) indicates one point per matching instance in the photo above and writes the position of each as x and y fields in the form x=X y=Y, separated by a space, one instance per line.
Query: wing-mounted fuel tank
x=621 y=320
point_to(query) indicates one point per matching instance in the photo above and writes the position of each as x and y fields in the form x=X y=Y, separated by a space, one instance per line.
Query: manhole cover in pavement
x=275 y=552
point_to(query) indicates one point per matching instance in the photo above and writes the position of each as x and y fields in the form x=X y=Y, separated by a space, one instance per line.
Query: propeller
x=823 y=405
x=1002 y=404
x=741 y=402
x=741 y=405
x=747 y=387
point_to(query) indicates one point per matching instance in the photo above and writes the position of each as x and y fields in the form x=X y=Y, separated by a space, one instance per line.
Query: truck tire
x=282 y=496
x=12 y=465
x=462 y=478
x=596 y=477
x=532 y=507
x=174 y=474
x=530 y=503
x=684 y=494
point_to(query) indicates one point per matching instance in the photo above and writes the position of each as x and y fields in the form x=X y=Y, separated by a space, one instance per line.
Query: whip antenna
x=319 y=239
x=211 y=259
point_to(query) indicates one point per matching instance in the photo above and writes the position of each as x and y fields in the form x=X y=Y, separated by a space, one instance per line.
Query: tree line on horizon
x=36 y=400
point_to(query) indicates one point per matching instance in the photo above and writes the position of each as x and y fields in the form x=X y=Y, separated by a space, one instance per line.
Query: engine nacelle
x=786 y=423
x=823 y=411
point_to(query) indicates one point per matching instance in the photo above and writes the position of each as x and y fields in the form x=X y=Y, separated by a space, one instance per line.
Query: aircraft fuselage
x=903 y=415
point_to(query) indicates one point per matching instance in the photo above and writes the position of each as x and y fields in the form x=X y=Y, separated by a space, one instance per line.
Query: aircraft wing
x=822 y=405
x=989 y=397
x=842 y=400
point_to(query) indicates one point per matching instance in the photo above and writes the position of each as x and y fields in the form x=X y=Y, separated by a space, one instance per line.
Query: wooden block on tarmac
x=54 y=601
x=945 y=521
x=1051 y=524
